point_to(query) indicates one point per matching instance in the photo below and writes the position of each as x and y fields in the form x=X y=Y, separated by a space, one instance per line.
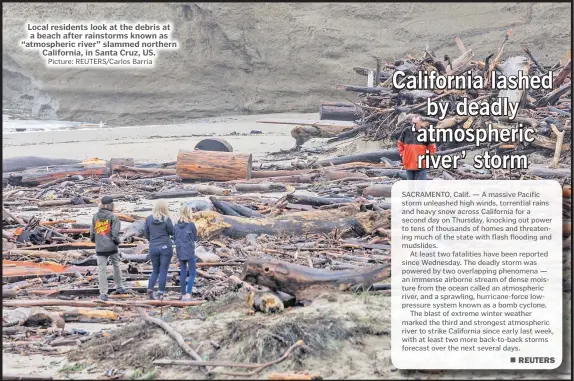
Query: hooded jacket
x=185 y=235
x=158 y=232
x=105 y=232
x=410 y=149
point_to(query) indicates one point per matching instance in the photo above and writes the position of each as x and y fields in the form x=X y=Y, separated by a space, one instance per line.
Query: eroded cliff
x=259 y=57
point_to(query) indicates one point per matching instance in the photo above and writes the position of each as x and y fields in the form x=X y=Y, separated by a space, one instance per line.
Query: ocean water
x=11 y=125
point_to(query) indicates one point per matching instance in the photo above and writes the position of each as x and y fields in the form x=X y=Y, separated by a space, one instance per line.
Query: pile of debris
x=384 y=110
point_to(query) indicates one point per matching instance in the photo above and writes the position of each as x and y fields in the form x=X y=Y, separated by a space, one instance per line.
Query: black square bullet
x=513 y=359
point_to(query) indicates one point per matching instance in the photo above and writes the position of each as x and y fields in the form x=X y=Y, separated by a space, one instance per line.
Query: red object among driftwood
x=18 y=268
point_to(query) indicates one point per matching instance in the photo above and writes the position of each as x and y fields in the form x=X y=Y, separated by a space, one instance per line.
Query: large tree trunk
x=305 y=283
x=346 y=113
x=211 y=165
x=347 y=219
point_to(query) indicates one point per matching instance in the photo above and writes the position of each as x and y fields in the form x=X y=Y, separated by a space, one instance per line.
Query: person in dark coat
x=158 y=231
x=185 y=234
x=105 y=233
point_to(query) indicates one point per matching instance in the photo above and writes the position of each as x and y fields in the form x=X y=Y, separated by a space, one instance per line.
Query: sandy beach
x=154 y=143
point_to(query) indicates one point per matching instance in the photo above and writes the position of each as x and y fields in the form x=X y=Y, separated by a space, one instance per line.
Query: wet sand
x=155 y=143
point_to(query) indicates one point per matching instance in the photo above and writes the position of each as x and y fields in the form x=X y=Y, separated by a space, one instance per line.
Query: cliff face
x=257 y=58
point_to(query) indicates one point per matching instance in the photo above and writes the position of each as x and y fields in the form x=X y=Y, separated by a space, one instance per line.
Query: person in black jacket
x=158 y=231
x=185 y=234
x=105 y=233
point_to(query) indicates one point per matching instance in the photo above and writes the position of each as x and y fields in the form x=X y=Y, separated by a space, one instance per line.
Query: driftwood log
x=550 y=173
x=34 y=317
x=89 y=303
x=378 y=190
x=11 y=290
x=257 y=367
x=136 y=229
x=232 y=209
x=303 y=134
x=173 y=334
x=348 y=220
x=223 y=207
x=117 y=162
x=338 y=112
x=345 y=166
x=342 y=175
x=367 y=157
x=244 y=211
x=66 y=201
x=316 y=201
x=564 y=73
x=37 y=177
x=306 y=283
x=260 y=188
x=144 y=170
x=277 y=173
x=307 y=122
x=211 y=190
x=212 y=165
x=388 y=172
x=295 y=179
x=22 y=163
x=174 y=194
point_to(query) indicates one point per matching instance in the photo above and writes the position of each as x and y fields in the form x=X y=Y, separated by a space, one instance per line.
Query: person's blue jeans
x=160 y=258
x=421 y=174
x=187 y=269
